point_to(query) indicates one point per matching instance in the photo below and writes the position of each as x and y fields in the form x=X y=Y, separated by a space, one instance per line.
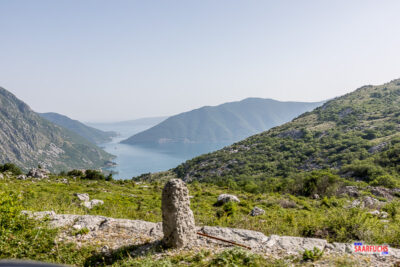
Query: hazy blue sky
x=116 y=60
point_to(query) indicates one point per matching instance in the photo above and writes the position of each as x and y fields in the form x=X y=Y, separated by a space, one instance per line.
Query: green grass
x=285 y=215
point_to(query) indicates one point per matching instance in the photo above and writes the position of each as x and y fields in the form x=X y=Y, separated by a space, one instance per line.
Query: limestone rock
x=178 y=220
x=224 y=198
x=82 y=197
x=249 y=238
x=374 y=212
x=315 y=196
x=92 y=203
x=39 y=173
x=366 y=202
x=1 y=176
x=383 y=215
x=351 y=191
x=257 y=211
x=21 y=177
x=381 y=192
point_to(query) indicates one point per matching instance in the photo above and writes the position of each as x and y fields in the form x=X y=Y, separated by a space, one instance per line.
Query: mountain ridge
x=227 y=122
x=356 y=135
x=92 y=134
x=28 y=140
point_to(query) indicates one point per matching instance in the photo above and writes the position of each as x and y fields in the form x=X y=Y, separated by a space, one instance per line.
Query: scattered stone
x=65 y=181
x=92 y=203
x=366 y=202
x=77 y=227
x=82 y=197
x=224 y=198
x=351 y=191
x=315 y=196
x=370 y=202
x=21 y=177
x=178 y=220
x=377 y=148
x=381 y=192
x=39 y=173
x=383 y=215
x=110 y=234
x=287 y=204
x=105 y=249
x=257 y=211
x=1 y=176
x=295 y=134
x=374 y=212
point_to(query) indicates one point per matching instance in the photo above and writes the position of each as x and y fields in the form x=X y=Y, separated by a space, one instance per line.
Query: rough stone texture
x=21 y=177
x=315 y=196
x=178 y=220
x=351 y=191
x=377 y=148
x=383 y=215
x=224 y=198
x=82 y=197
x=114 y=233
x=366 y=202
x=92 y=203
x=381 y=192
x=39 y=173
x=374 y=212
x=1 y=176
x=109 y=234
x=256 y=211
x=253 y=239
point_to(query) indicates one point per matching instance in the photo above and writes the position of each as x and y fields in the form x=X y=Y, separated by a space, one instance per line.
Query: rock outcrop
x=178 y=221
x=92 y=203
x=224 y=198
x=111 y=234
x=86 y=202
x=82 y=196
x=256 y=211
x=39 y=173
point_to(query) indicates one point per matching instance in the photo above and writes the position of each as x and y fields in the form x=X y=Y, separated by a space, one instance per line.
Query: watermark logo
x=371 y=249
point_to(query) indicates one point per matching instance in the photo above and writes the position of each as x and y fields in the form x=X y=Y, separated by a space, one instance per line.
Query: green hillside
x=226 y=123
x=27 y=140
x=93 y=135
x=356 y=135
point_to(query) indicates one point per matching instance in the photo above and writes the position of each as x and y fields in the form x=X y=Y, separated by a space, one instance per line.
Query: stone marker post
x=178 y=220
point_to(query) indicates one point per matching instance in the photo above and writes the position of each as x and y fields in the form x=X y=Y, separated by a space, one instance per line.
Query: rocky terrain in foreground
x=111 y=235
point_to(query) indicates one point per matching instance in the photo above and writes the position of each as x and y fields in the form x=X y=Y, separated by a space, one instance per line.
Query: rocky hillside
x=27 y=140
x=93 y=135
x=226 y=123
x=356 y=135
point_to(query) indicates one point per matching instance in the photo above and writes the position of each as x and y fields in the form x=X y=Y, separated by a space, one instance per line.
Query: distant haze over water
x=134 y=160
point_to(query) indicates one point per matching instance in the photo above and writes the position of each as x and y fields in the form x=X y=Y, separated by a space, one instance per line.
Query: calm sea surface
x=133 y=160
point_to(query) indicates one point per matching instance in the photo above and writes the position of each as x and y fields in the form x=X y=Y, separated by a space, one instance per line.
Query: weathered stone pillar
x=178 y=220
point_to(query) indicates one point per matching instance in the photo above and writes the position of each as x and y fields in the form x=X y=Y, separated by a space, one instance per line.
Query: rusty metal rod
x=223 y=240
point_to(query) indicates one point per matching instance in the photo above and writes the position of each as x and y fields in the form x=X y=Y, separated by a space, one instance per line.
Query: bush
x=312 y=255
x=11 y=168
x=386 y=181
x=323 y=183
x=236 y=257
x=77 y=173
x=94 y=175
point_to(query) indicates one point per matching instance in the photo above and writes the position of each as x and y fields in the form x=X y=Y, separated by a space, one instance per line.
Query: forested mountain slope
x=226 y=123
x=356 y=135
